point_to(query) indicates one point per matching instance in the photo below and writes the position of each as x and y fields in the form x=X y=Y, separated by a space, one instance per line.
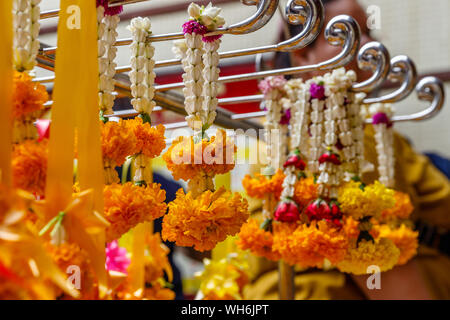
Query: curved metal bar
x=342 y=31
x=428 y=89
x=373 y=56
x=310 y=14
x=265 y=11
x=403 y=70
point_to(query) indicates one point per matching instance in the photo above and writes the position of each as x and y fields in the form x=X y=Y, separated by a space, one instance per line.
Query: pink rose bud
x=287 y=212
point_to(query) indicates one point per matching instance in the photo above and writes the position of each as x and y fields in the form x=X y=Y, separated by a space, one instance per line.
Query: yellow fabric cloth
x=430 y=194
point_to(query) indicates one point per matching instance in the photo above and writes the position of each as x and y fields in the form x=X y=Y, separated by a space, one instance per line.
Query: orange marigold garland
x=187 y=159
x=257 y=240
x=205 y=220
x=310 y=245
x=29 y=166
x=28 y=101
x=127 y=205
x=118 y=142
x=260 y=185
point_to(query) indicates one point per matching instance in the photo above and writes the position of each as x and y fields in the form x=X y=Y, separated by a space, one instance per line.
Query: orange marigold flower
x=185 y=159
x=118 y=141
x=305 y=191
x=404 y=239
x=126 y=205
x=308 y=246
x=259 y=186
x=150 y=140
x=257 y=240
x=28 y=96
x=204 y=221
x=29 y=166
x=402 y=208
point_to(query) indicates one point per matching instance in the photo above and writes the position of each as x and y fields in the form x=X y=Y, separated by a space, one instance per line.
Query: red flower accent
x=296 y=161
x=322 y=210
x=287 y=212
x=330 y=157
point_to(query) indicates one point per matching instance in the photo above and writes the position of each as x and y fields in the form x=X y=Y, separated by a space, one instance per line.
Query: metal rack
x=342 y=31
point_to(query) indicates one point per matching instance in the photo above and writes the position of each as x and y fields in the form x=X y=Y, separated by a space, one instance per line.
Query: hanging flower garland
x=26 y=15
x=128 y=205
x=333 y=217
x=151 y=141
x=107 y=22
x=204 y=216
x=384 y=139
x=29 y=97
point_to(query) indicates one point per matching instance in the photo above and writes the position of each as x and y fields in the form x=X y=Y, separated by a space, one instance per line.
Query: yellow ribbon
x=6 y=84
x=75 y=106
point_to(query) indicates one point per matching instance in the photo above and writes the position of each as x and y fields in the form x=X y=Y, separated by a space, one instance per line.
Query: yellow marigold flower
x=305 y=191
x=308 y=246
x=219 y=280
x=150 y=140
x=28 y=96
x=259 y=186
x=157 y=262
x=204 y=221
x=383 y=253
x=29 y=166
x=404 y=239
x=371 y=201
x=402 y=208
x=118 y=142
x=257 y=240
x=185 y=159
x=126 y=205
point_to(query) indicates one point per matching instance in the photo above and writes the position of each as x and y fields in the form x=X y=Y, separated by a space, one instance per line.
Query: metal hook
x=373 y=56
x=403 y=70
x=428 y=89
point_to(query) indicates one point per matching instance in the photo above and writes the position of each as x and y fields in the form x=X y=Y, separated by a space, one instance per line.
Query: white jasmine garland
x=210 y=85
x=384 y=141
x=337 y=127
x=298 y=95
x=193 y=79
x=142 y=77
x=316 y=129
x=107 y=66
x=26 y=31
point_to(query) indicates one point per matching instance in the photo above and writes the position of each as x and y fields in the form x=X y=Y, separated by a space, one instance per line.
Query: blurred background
x=417 y=28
